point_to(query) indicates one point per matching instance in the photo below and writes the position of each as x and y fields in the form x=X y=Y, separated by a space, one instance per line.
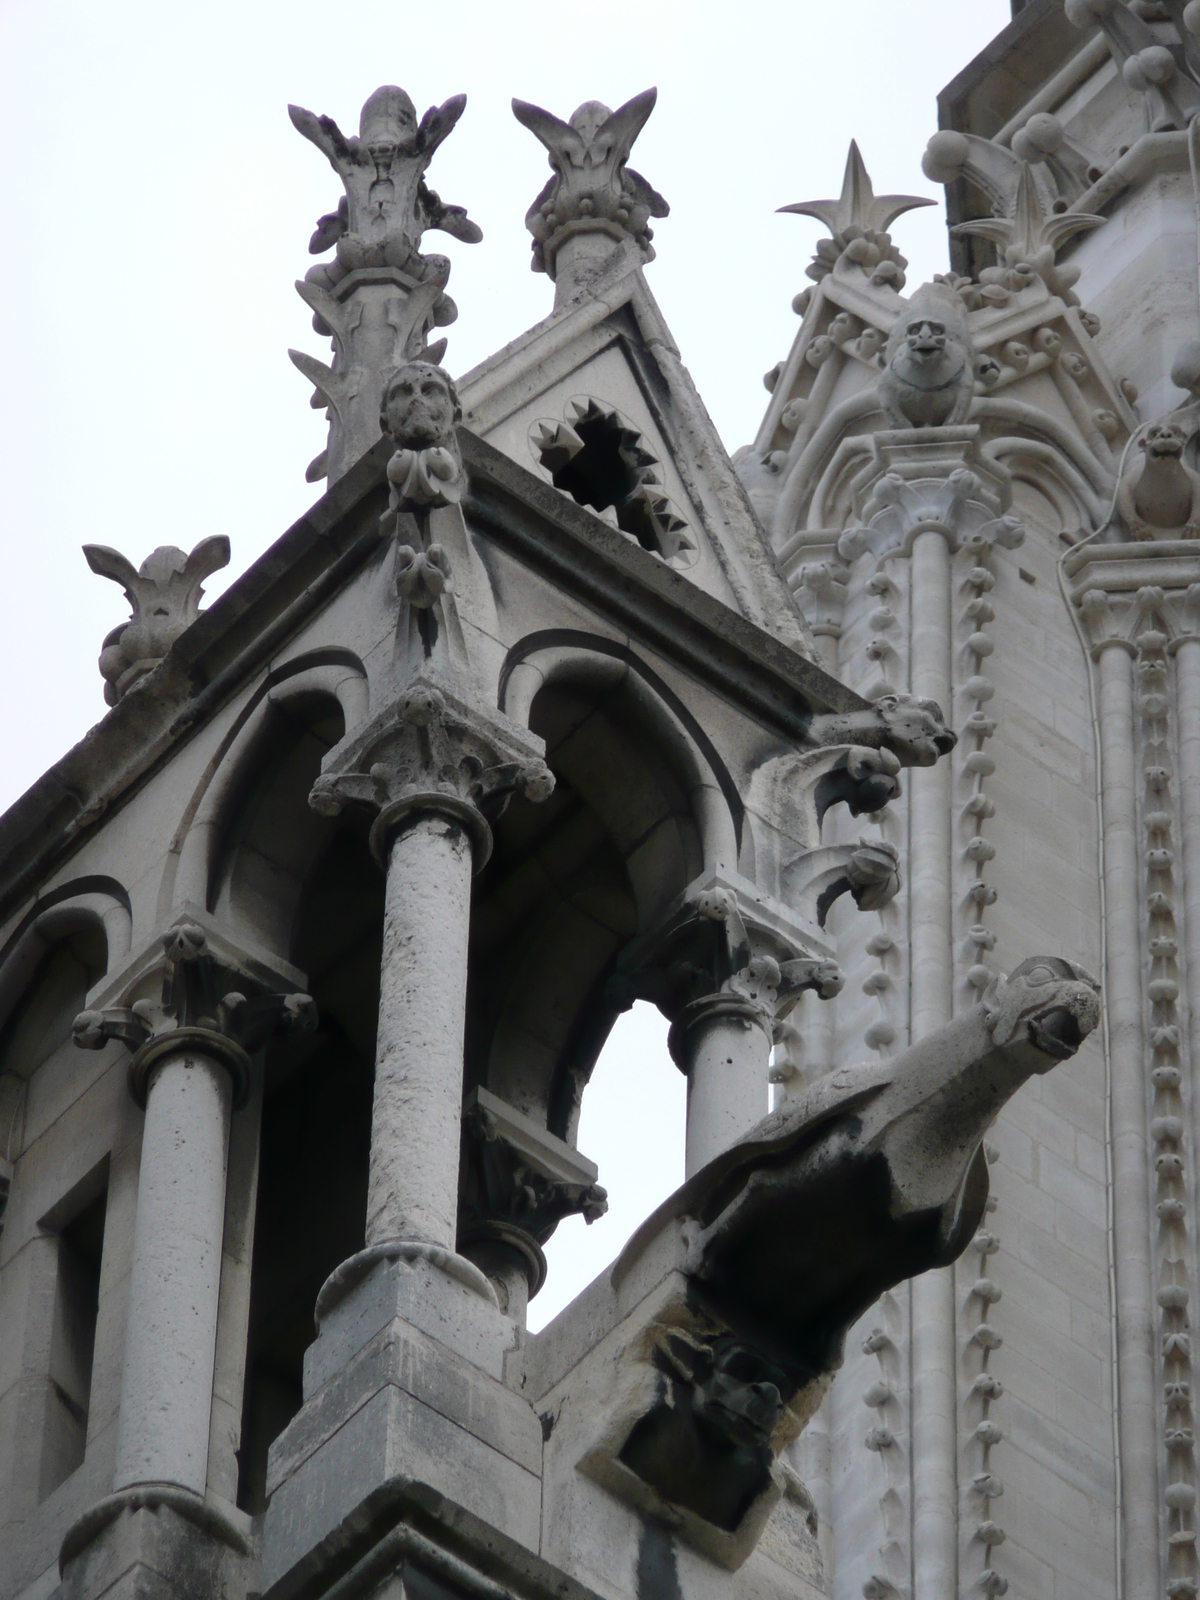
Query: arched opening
x=308 y=891
x=631 y=1124
x=570 y=884
x=54 y=1322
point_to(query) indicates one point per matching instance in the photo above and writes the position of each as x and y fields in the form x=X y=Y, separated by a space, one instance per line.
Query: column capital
x=930 y=480
x=725 y=950
x=432 y=752
x=178 y=993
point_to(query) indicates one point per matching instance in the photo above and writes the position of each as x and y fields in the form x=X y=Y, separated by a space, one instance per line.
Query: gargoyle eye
x=1039 y=975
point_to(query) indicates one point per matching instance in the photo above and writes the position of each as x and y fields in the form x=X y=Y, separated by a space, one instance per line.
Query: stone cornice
x=268 y=605
x=1167 y=564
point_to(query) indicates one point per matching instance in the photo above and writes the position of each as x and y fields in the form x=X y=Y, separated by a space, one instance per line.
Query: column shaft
x=1131 y=1177
x=931 y=913
x=416 y=1119
x=728 y=1057
x=170 y=1337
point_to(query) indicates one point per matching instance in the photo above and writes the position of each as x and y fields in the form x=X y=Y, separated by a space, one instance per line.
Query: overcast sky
x=159 y=203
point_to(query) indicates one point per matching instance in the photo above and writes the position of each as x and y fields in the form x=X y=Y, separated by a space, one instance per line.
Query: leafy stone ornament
x=592 y=191
x=164 y=594
x=379 y=297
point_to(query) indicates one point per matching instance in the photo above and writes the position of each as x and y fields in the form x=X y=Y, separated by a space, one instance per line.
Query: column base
x=355 y=1268
x=154 y=1541
x=409 y=1377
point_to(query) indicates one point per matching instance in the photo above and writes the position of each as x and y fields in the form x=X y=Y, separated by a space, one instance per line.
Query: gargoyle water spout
x=783 y=1241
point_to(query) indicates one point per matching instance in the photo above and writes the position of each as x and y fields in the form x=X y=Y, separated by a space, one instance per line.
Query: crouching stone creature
x=929 y=372
x=783 y=1241
x=1159 y=497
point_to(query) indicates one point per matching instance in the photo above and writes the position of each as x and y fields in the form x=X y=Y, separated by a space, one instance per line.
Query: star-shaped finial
x=858 y=206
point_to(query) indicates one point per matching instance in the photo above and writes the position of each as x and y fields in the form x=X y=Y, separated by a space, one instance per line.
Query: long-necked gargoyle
x=784 y=1240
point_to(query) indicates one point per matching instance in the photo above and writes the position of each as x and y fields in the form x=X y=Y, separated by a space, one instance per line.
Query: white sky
x=159 y=205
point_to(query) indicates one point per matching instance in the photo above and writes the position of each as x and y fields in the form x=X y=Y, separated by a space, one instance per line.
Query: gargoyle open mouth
x=1057 y=1033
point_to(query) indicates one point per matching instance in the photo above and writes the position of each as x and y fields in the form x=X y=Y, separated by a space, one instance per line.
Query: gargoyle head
x=1049 y=1001
x=915 y=730
x=420 y=407
x=925 y=338
x=1163 y=440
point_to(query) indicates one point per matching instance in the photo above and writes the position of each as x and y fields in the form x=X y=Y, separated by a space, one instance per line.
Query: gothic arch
x=87 y=923
x=643 y=806
x=248 y=818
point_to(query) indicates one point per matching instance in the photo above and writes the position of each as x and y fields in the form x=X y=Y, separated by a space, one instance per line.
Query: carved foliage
x=164 y=594
x=195 y=995
x=432 y=751
x=592 y=190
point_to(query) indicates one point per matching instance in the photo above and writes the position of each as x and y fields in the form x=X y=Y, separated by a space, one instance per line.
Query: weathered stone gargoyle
x=1159 y=498
x=929 y=376
x=748 y=1278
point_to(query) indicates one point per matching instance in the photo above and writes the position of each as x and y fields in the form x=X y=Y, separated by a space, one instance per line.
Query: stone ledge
x=405 y=1518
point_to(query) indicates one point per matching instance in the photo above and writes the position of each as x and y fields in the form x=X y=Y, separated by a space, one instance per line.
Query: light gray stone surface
x=742 y=683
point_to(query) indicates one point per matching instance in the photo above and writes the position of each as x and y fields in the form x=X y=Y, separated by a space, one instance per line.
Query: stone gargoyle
x=779 y=1244
x=1159 y=497
x=929 y=372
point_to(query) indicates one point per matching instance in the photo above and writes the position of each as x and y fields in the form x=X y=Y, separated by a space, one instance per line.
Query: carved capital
x=432 y=752
x=1102 y=626
x=520 y=1181
x=930 y=479
x=183 y=997
x=722 y=953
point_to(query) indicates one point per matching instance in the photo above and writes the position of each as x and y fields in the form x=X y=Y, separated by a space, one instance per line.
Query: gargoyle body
x=873 y=1176
x=913 y=730
x=929 y=376
x=1160 y=497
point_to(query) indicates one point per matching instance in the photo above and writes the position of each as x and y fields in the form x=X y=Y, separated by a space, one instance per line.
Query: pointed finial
x=379 y=298
x=859 y=220
x=1031 y=220
x=592 y=190
x=858 y=206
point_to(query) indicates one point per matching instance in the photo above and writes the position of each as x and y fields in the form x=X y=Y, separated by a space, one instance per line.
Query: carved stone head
x=388 y=120
x=1052 y=1002
x=1162 y=440
x=925 y=338
x=420 y=407
x=929 y=377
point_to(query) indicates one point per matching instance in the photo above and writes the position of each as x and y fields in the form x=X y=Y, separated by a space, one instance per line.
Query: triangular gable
x=613 y=352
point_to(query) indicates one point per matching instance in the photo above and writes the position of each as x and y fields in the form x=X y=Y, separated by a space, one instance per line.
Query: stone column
x=190 y=1071
x=171 y=1331
x=413 y=1185
x=934 y=1349
x=722 y=1042
x=1131 y=1178
x=427 y=766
